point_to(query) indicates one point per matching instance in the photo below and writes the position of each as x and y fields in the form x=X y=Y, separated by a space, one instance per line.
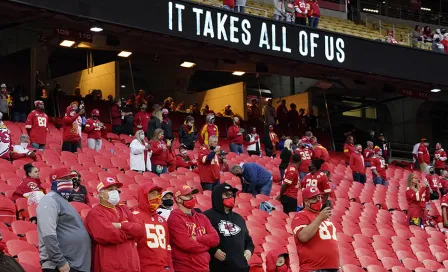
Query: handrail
x=259 y=9
x=217 y=4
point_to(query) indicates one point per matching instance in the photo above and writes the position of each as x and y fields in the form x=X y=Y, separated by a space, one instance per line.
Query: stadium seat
x=411 y=264
x=29 y=257
x=30 y=268
x=376 y=268
x=79 y=206
x=7 y=210
x=432 y=265
x=32 y=237
x=400 y=269
x=389 y=262
x=366 y=261
x=16 y=246
x=8 y=235
x=20 y=228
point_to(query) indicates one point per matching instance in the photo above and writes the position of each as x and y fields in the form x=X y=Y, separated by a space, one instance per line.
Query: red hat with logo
x=63 y=172
x=107 y=182
x=377 y=149
x=95 y=112
x=305 y=140
x=38 y=103
x=185 y=190
x=310 y=192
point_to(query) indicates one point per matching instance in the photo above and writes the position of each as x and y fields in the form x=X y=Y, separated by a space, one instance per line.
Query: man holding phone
x=315 y=235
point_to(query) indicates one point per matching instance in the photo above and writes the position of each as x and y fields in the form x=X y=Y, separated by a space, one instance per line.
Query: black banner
x=261 y=35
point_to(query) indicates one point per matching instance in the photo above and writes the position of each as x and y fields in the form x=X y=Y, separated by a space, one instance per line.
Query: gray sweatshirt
x=62 y=235
x=240 y=3
x=279 y=7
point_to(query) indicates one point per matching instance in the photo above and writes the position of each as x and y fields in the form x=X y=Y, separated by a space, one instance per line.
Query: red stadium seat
x=411 y=264
x=29 y=257
x=381 y=253
x=16 y=246
x=20 y=228
x=432 y=265
x=376 y=268
x=32 y=237
x=400 y=269
x=30 y=268
x=7 y=210
x=367 y=261
x=8 y=235
x=389 y=262
x=352 y=268
x=80 y=206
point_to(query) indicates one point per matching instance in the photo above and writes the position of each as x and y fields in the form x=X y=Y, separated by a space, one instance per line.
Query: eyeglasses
x=227 y=194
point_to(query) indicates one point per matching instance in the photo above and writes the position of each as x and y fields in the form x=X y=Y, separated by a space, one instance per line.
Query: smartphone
x=326 y=204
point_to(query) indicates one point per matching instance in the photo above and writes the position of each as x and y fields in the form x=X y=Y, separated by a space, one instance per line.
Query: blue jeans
x=226 y=7
x=367 y=164
x=37 y=146
x=379 y=180
x=265 y=189
x=359 y=177
x=302 y=175
x=239 y=9
x=19 y=117
x=236 y=148
x=209 y=186
x=313 y=22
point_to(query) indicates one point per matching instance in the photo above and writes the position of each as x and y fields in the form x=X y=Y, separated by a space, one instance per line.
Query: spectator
x=235 y=244
x=206 y=110
x=317 y=178
x=227 y=112
x=188 y=133
x=254 y=110
x=444 y=42
x=417 y=196
x=208 y=129
x=154 y=123
x=191 y=233
x=172 y=106
x=368 y=153
x=254 y=178
x=138 y=149
x=315 y=234
x=357 y=165
x=313 y=14
x=282 y=114
x=167 y=126
x=321 y=153
x=235 y=136
x=114 y=231
x=416 y=36
x=290 y=11
x=437 y=46
x=269 y=115
x=140 y=99
x=128 y=116
x=253 y=146
x=301 y=12
x=183 y=160
x=154 y=248
x=5 y=143
x=302 y=119
x=195 y=109
x=79 y=193
x=141 y=118
x=306 y=154
x=349 y=148
x=433 y=182
x=4 y=102
x=70 y=136
x=93 y=130
x=444 y=205
x=271 y=142
x=22 y=151
x=279 y=10
x=208 y=166
x=439 y=159
x=240 y=6
x=159 y=149
x=423 y=156
x=166 y=206
x=155 y=107
x=117 y=115
x=7 y=263
x=415 y=154
x=181 y=107
x=378 y=167
x=311 y=119
x=285 y=156
x=290 y=186
x=444 y=183
x=390 y=37
x=20 y=105
x=37 y=125
x=30 y=184
x=277 y=260
x=64 y=244
x=427 y=36
x=167 y=103
x=293 y=118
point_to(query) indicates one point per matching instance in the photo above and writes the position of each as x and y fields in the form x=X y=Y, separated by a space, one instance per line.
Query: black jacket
x=153 y=124
x=167 y=129
x=286 y=158
x=9 y=264
x=233 y=234
x=186 y=137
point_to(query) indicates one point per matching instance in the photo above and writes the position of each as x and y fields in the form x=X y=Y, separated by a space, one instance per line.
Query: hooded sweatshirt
x=188 y=136
x=70 y=127
x=271 y=260
x=154 y=248
x=233 y=235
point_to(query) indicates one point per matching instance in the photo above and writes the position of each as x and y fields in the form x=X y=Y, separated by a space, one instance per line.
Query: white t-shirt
x=415 y=150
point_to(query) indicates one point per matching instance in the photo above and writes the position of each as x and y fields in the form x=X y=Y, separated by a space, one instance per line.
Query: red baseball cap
x=107 y=182
x=38 y=102
x=61 y=173
x=310 y=192
x=185 y=190
x=305 y=140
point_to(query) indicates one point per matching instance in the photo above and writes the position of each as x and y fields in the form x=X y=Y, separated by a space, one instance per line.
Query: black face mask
x=431 y=172
x=75 y=183
x=167 y=202
x=212 y=148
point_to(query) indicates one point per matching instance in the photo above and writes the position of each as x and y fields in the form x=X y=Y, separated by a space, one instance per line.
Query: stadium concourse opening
x=200 y=56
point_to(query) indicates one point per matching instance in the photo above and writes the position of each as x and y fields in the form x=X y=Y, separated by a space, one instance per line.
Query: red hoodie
x=191 y=238
x=93 y=129
x=70 y=127
x=141 y=118
x=185 y=162
x=154 y=249
x=159 y=155
x=230 y=3
x=27 y=185
x=206 y=131
x=232 y=134
x=357 y=163
x=115 y=114
x=271 y=260
x=314 y=9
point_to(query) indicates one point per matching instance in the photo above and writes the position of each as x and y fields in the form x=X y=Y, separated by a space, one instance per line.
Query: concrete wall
x=280 y=86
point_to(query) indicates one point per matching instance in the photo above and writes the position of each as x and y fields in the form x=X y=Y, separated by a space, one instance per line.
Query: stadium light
x=370 y=10
x=238 y=73
x=187 y=64
x=123 y=86
x=425 y=9
x=67 y=43
x=435 y=90
x=124 y=54
x=96 y=28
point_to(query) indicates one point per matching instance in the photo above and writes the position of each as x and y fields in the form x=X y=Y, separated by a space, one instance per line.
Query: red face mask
x=316 y=206
x=153 y=204
x=283 y=268
x=237 y=122
x=189 y=204
x=271 y=129
x=229 y=202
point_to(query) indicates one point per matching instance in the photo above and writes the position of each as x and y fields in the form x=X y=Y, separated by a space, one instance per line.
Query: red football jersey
x=209 y=172
x=37 y=122
x=434 y=182
x=292 y=179
x=440 y=158
x=320 y=152
x=321 y=251
x=93 y=129
x=417 y=202
x=379 y=164
x=423 y=154
x=305 y=154
x=444 y=201
x=318 y=180
x=368 y=154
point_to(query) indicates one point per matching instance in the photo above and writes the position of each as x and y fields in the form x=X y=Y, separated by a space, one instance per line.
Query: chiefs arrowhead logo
x=110 y=180
x=228 y=228
x=313 y=189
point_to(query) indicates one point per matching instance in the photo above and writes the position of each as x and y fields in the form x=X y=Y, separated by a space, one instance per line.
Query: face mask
x=161 y=137
x=24 y=145
x=164 y=115
x=282 y=268
x=316 y=206
x=154 y=204
x=95 y=117
x=229 y=202
x=168 y=202
x=190 y=124
x=310 y=168
x=237 y=122
x=271 y=129
x=114 y=197
x=431 y=172
x=142 y=137
x=189 y=204
x=360 y=150
x=212 y=148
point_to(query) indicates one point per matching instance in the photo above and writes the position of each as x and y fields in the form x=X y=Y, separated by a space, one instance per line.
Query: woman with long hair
x=137 y=152
x=285 y=156
x=417 y=196
x=31 y=183
x=160 y=150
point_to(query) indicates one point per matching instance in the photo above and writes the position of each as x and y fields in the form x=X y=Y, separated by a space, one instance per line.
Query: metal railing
x=219 y=4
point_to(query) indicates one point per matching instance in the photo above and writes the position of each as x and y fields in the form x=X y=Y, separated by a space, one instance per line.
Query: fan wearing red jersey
x=316 y=178
x=378 y=167
x=290 y=186
x=154 y=248
x=306 y=154
x=439 y=159
x=357 y=165
x=315 y=235
x=349 y=148
x=434 y=184
x=423 y=156
x=321 y=153
x=368 y=153
x=444 y=204
x=208 y=164
x=417 y=196
x=93 y=130
x=36 y=126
